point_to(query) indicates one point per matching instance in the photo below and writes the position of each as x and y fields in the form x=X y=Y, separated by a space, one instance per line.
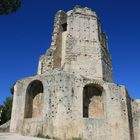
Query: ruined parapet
x=78 y=45
x=53 y=57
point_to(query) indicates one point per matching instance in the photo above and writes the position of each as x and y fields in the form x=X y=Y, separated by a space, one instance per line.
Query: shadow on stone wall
x=5 y=127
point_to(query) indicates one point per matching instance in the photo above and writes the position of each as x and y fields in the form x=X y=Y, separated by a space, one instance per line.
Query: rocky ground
x=10 y=136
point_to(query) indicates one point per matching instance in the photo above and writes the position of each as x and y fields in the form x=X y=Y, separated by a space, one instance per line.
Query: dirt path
x=10 y=136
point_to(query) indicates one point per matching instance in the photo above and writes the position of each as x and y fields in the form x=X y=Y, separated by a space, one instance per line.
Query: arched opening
x=93 y=106
x=33 y=103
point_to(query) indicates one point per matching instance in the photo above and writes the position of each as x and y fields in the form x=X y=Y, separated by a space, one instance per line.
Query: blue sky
x=26 y=34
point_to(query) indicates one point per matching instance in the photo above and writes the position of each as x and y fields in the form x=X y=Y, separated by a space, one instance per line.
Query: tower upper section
x=79 y=45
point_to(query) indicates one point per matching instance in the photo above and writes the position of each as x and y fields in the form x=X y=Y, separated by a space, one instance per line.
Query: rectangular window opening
x=64 y=27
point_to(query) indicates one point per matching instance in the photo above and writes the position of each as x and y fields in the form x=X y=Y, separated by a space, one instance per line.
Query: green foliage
x=9 y=6
x=54 y=138
x=42 y=136
x=12 y=90
x=6 y=110
x=46 y=137
x=74 y=138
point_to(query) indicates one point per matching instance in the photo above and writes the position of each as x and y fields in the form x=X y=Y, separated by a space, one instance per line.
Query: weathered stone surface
x=136 y=118
x=73 y=94
x=81 y=42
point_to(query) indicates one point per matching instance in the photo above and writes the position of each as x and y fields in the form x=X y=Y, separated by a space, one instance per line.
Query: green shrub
x=6 y=108
x=47 y=137
x=54 y=138
x=43 y=136
x=74 y=138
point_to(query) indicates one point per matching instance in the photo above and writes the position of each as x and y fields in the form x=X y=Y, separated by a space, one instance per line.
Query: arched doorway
x=93 y=106
x=33 y=103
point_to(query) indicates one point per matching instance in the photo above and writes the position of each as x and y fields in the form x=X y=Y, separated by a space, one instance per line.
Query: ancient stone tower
x=73 y=94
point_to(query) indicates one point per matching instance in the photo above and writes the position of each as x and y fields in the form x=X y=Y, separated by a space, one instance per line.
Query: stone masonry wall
x=83 y=48
x=136 y=118
x=63 y=109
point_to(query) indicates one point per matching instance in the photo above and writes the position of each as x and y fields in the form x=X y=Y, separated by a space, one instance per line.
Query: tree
x=12 y=90
x=6 y=110
x=9 y=6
